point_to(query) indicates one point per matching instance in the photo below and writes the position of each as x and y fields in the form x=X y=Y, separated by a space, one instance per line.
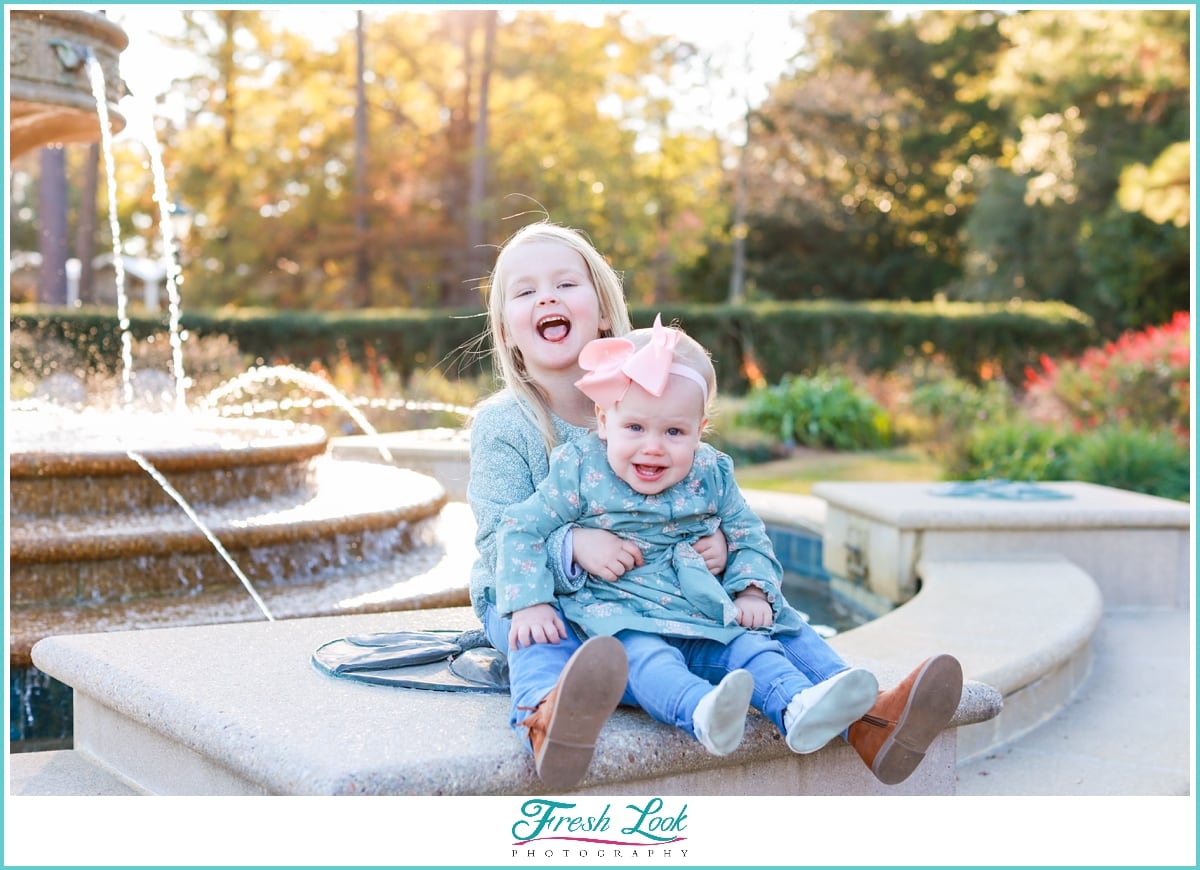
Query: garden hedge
x=975 y=339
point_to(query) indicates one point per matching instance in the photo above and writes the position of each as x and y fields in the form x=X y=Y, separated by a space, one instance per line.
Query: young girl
x=551 y=293
x=645 y=475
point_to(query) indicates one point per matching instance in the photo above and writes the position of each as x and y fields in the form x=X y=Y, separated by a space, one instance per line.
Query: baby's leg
x=660 y=682
x=811 y=655
x=808 y=715
x=776 y=679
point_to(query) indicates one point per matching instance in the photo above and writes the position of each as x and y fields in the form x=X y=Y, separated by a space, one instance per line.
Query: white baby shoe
x=822 y=712
x=720 y=717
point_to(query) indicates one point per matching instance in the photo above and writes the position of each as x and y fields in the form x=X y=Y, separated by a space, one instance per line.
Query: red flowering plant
x=1141 y=379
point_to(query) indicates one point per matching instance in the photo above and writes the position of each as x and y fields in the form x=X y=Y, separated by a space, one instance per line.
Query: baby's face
x=652 y=440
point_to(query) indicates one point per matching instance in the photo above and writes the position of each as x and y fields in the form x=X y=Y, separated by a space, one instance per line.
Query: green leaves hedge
x=779 y=338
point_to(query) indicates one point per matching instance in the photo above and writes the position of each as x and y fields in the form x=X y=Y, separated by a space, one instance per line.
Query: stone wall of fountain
x=97 y=544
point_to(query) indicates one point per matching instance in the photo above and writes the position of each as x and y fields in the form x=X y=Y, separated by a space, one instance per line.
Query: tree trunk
x=737 y=276
x=454 y=288
x=477 y=257
x=52 y=232
x=85 y=234
x=362 y=263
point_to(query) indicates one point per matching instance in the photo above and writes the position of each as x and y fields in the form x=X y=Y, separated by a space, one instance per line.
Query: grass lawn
x=806 y=466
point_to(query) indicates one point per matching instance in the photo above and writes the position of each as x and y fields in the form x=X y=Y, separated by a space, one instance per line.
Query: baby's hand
x=603 y=554
x=537 y=624
x=714 y=550
x=754 y=611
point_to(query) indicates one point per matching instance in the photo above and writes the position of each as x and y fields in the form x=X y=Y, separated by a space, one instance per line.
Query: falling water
x=262 y=374
x=171 y=258
x=96 y=74
x=195 y=518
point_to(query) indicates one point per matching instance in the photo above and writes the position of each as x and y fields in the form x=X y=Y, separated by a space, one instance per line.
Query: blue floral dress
x=673 y=593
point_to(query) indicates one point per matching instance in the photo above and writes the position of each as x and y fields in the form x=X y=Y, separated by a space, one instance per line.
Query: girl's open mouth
x=649 y=472
x=554 y=328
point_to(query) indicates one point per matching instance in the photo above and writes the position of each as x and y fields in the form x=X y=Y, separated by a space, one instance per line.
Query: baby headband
x=614 y=364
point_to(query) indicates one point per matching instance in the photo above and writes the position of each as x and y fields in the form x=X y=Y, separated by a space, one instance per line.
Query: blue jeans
x=534 y=670
x=669 y=675
x=811 y=655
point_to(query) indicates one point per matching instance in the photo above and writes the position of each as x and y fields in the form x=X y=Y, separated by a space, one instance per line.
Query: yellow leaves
x=1161 y=191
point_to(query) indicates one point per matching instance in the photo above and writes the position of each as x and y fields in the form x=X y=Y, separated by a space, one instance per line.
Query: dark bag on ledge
x=439 y=660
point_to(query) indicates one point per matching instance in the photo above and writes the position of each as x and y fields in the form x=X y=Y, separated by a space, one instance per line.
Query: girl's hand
x=714 y=550
x=754 y=611
x=537 y=624
x=603 y=554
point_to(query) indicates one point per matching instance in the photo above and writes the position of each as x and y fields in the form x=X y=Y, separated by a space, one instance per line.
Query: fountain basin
x=50 y=93
x=354 y=513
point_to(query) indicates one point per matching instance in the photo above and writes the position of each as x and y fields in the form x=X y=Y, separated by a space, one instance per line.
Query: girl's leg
x=532 y=670
x=807 y=651
x=562 y=694
x=660 y=682
x=776 y=679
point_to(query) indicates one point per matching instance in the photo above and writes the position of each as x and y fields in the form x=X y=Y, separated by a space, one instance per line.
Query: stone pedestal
x=50 y=90
x=1134 y=546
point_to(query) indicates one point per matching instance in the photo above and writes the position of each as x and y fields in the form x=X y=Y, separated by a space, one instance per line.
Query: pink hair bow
x=614 y=364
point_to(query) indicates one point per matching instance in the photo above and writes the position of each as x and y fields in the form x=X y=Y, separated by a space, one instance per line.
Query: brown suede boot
x=892 y=737
x=565 y=724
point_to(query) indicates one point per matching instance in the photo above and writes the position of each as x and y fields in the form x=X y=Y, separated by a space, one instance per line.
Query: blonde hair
x=510 y=368
x=688 y=352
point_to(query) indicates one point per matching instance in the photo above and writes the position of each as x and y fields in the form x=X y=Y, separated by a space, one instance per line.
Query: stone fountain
x=127 y=518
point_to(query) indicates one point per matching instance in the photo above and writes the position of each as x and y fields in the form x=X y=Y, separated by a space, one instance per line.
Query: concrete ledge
x=1022 y=627
x=239 y=709
x=790 y=511
x=1135 y=547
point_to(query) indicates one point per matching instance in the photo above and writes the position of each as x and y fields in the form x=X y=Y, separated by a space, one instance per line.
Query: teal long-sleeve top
x=508 y=461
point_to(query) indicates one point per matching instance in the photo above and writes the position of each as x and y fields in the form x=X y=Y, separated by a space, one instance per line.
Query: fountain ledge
x=184 y=711
x=211 y=729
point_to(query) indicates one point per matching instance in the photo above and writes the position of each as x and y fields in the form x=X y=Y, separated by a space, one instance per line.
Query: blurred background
x=890 y=223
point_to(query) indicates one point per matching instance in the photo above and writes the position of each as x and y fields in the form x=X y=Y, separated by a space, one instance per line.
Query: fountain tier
x=96 y=543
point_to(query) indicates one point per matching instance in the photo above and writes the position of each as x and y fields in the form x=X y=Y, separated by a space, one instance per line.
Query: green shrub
x=950 y=408
x=771 y=339
x=1133 y=458
x=822 y=411
x=1010 y=451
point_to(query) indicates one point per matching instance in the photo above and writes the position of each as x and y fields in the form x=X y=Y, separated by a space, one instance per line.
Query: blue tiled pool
x=827 y=601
